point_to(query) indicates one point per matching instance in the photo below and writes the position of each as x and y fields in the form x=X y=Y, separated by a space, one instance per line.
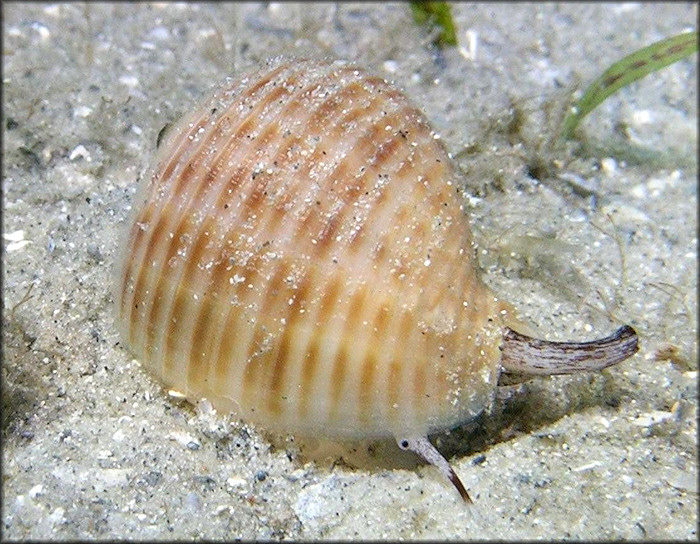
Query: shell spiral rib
x=300 y=254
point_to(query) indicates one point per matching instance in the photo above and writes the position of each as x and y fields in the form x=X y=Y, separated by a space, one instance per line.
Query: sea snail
x=299 y=254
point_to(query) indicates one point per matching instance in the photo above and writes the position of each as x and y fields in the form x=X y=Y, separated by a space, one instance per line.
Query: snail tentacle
x=422 y=447
x=522 y=354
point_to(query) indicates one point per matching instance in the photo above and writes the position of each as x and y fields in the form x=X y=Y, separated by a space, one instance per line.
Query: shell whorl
x=299 y=254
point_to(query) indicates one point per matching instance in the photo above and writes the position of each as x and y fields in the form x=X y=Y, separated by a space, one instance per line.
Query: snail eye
x=163 y=132
x=403 y=444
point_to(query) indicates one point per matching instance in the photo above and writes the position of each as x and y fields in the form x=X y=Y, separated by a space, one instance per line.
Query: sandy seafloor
x=581 y=240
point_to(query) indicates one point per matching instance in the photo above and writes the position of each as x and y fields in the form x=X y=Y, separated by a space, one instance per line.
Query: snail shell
x=300 y=254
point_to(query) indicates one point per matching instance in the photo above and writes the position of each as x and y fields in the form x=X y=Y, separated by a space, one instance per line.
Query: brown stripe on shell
x=366 y=387
x=200 y=358
x=284 y=355
x=256 y=353
x=339 y=368
x=394 y=389
x=347 y=356
x=330 y=299
x=374 y=362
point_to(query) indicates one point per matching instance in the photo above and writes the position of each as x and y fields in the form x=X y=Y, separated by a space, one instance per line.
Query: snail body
x=299 y=254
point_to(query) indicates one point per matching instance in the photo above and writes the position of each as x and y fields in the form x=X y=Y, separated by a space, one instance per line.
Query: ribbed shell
x=299 y=254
